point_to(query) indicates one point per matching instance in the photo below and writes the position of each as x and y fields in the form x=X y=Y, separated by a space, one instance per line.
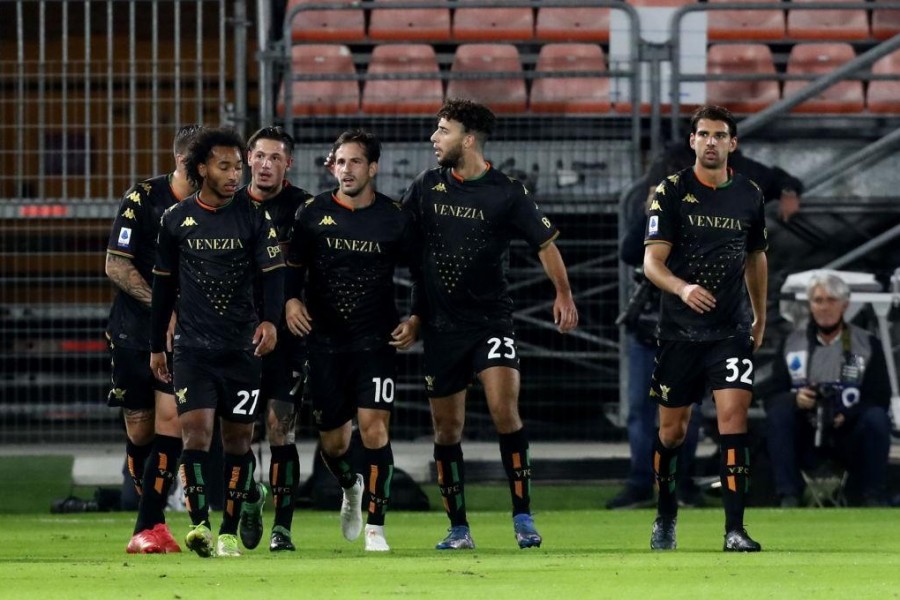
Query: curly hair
x=277 y=134
x=714 y=113
x=370 y=144
x=473 y=116
x=201 y=148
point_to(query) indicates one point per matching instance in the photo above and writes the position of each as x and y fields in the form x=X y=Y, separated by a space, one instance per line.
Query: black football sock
x=284 y=472
x=136 y=458
x=194 y=475
x=734 y=472
x=238 y=480
x=665 y=467
x=380 y=466
x=341 y=468
x=158 y=478
x=517 y=464
x=451 y=480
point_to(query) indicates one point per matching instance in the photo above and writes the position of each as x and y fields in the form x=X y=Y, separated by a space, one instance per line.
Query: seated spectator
x=830 y=400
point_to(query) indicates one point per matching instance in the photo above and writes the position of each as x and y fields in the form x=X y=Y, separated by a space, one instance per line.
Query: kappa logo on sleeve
x=124 y=237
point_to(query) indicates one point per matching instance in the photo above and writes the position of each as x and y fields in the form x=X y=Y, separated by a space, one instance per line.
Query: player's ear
x=373 y=169
x=201 y=168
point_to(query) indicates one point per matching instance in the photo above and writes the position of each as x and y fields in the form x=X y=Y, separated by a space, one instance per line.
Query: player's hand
x=329 y=162
x=788 y=205
x=159 y=368
x=757 y=331
x=698 y=298
x=565 y=315
x=406 y=333
x=806 y=398
x=297 y=317
x=170 y=333
x=264 y=338
x=839 y=420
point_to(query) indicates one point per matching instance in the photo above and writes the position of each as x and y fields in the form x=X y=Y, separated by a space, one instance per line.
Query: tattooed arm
x=126 y=277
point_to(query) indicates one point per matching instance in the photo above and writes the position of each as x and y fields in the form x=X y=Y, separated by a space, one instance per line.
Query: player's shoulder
x=149 y=189
x=296 y=194
x=509 y=184
x=385 y=202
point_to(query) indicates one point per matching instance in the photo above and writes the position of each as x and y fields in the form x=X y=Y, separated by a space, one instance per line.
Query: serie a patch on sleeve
x=124 y=237
x=652 y=226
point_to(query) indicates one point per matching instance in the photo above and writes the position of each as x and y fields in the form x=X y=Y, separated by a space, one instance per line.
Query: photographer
x=831 y=401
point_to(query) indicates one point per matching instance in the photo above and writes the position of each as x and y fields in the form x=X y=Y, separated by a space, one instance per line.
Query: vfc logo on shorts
x=429 y=383
x=181 y=396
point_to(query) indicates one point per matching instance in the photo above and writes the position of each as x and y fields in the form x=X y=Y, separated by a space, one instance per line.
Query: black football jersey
x=133 y=236
x=216 y=253
x=466 y=227
x=281 y=208
x=711 y=231
x=350 y=257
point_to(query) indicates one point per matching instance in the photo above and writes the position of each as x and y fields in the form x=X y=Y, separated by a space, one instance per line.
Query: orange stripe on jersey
x=730 y=460
x=732 y=484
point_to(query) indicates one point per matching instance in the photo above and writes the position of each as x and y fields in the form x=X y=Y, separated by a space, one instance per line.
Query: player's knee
x=673 y=435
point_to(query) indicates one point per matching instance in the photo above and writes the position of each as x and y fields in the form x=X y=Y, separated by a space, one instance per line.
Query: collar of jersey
x=476 y=178
x=284 y=184
x=212 y=209
x=346 y=206
x=716 y=187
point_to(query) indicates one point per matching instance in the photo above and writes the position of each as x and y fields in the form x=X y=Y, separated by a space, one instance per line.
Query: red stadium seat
x=740 y=59
x=745 y=24
x=493 y=24
x=884 y=96
x=885 y=22
x=570 y=95
x=500 y=94
x=820 y=59
x=403 y=96
x=322 y=97
x=338 y=25
x=572 y=24
x=409 y=24
x=827 y=24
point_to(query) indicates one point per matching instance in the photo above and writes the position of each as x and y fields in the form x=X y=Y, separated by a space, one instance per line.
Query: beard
x=451 y=158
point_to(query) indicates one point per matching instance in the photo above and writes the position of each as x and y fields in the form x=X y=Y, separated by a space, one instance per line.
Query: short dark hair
x=714 y=113
x=473 y=116
x=370 y=143
x=201 y=148
x=275 y=133
x=184 y=137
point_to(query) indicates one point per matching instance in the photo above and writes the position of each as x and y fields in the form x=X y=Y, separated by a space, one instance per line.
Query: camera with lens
x=641 y=315
x=828 y=404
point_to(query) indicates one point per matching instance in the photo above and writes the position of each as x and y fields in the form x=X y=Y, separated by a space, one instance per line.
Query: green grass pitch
x=588 y=552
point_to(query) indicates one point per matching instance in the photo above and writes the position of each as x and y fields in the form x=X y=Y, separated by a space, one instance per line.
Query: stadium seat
x=885 y=22
x=730 y=25
x=740 y=59
x=493 y=24
x=501 y=94
x=403 y=96
x=572 y=24
x=321 y=97
x=570 y=95
x=409 y=24
x=827 y=24
x=338 y=25
x=669 y=3
x=884 y=96
x=820 y=59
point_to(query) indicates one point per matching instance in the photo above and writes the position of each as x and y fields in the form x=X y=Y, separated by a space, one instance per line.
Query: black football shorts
x=225 y=380
x=452 y=359
x=684 y=370
x=133 y=384
x=339 y=383
x=282 y=372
